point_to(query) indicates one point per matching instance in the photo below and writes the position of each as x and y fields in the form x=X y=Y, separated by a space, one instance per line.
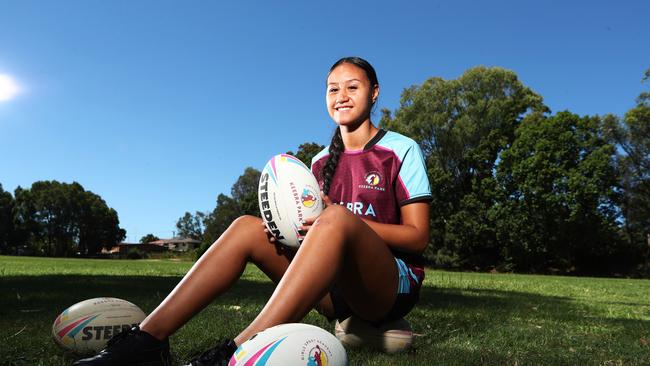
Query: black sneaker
x=131 y=347
x=216 y=356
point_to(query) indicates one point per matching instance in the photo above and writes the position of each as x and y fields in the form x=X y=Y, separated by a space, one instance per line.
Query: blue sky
x=158 y=106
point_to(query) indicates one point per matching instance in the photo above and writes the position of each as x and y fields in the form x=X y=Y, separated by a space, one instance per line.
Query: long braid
x=335 y=150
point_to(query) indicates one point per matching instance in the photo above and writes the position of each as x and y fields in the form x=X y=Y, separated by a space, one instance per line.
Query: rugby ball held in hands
x=288 y=193
x=85 y=327
x=291 y=344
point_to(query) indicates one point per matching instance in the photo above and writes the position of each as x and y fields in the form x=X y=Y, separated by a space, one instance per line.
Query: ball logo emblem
x=317 y=357
x=308 y=198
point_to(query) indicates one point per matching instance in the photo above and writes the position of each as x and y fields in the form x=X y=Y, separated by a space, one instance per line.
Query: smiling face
x=349 y=95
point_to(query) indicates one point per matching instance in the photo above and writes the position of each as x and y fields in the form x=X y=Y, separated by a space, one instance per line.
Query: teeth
x=343 y=108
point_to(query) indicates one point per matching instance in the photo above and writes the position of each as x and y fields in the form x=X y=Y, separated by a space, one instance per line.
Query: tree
x=148 y=238
x=191 y=226
x=6 y=221
x=225 y=212
x=99 y=225
x=559 y=197
x=307 y=151
x=244 y=192
x=462 y=126
x=243 y=202
x=632 y=136
x=60 y=219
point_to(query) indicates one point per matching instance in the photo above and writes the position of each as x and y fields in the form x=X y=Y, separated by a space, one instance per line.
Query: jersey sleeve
x=412 y=182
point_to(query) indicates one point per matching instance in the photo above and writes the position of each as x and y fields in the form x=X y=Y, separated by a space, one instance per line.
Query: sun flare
x=8 y=88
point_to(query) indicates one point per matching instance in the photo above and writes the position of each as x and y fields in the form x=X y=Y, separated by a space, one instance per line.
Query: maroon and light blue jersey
x=375 y=182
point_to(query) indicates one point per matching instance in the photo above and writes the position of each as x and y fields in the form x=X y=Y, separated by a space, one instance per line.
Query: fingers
x=268 y=233
x=309 y=221
x=306 y=225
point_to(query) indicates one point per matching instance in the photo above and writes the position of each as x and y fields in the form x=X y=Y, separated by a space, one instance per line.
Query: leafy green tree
x=632 y=136
x=244 y=192
x=48 y=212
x=243 y=202
x=98 y=224
x=307 y=151
x=191 y=226
x=6 y=221
x=225 y=212
x=148 y=238
x=559 y=204
x=60 y=219
x=462 y=126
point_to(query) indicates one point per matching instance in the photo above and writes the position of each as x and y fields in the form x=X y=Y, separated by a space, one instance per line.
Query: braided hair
x=336 y=145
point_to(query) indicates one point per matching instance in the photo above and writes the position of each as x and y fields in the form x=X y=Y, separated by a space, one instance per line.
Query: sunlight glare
x=8 y=88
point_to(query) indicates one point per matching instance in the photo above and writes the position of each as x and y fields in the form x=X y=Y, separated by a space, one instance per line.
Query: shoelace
x=121 y=335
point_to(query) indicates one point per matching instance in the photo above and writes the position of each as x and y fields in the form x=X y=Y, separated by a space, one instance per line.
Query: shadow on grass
x=57 y=292
x=29 y=305
x=456 y=326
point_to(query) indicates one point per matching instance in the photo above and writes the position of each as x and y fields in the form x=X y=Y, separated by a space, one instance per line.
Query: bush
x=135 y=253
x=202 y=249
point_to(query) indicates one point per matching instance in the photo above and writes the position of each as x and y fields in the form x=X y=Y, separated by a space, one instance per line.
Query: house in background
x=177 y=244
x=122 y=249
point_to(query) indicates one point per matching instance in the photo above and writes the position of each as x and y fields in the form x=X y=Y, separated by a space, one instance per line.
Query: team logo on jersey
x=308 y=197
x=373 y=180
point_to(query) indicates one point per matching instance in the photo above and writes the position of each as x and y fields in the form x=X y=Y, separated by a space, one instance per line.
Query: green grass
x=462 y=318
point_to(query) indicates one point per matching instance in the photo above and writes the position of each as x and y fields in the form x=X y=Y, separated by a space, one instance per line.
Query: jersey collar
x=373 y=141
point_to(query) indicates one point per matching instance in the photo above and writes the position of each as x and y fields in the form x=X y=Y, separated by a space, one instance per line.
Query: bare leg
x=339 y=248
x=219 y=268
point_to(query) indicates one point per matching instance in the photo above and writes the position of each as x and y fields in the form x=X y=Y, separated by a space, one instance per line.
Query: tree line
x=515 y=186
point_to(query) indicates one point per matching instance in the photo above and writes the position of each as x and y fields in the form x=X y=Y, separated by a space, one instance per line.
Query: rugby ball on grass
x=291 y=344
x=288 y=193
x=390 y=337
x=85 y=327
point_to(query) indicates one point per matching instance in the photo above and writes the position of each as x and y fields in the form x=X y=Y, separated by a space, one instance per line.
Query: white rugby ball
x=85 y=327
x=288 y=193
x=291 y=344
x=390 y=337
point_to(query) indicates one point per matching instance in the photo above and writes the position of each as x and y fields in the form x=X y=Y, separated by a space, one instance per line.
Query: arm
x=412 y=236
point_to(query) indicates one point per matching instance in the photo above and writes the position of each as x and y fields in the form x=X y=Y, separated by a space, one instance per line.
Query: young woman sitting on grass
x=361 y=256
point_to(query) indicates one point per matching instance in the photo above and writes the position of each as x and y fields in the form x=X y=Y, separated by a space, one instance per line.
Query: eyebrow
x=346 y=81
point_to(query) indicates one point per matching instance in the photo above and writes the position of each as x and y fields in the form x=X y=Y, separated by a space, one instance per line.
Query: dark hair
x=336 y=146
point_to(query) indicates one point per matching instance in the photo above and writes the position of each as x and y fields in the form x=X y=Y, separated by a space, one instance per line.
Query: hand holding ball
x=288 y=193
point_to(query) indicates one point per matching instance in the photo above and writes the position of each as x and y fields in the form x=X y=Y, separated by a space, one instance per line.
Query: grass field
x=462 y=318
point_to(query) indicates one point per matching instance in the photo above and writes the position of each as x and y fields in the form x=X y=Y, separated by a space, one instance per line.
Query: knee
x=335 y=216
x=246 y=221
x=243 y=224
